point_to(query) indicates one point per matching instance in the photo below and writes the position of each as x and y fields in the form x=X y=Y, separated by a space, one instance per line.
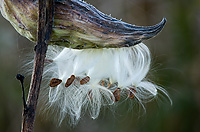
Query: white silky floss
x=108 y=69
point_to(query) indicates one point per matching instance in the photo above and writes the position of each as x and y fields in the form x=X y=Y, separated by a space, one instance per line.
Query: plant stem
x=45 y=22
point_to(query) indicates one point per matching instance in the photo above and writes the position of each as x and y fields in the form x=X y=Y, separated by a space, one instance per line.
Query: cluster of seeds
x=55 y=81
x=77 y=81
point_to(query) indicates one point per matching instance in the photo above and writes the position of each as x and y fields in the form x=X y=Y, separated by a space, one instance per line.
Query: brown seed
x=70 y=81
x=85 y=80
x=131 y=93
x=102 y=83
x=54 y=82
x=116 y=94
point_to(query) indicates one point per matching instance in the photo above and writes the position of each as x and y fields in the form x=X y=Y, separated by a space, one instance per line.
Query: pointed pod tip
x=141 y=33
x=164 y=20
x=152 y=31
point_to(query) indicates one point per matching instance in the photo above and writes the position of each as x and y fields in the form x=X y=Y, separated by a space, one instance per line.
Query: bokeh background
x=175 y=66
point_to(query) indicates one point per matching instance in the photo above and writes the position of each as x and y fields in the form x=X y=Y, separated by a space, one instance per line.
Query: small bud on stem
x=21 y=79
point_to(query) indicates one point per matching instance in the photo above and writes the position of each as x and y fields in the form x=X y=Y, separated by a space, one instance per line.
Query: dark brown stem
x=21 y=79
x=45 y=22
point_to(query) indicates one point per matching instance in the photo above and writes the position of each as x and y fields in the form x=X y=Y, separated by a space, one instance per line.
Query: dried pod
x=116 y=94
x=131 y=93
x=77 y=25
x=54 y=82
x=70 y=81
x=85 y=80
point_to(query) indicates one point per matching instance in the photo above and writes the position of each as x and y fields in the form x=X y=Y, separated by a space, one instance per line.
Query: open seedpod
x=93 y=58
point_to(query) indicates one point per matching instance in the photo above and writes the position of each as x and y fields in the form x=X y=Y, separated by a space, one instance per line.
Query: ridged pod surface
x=77 y=25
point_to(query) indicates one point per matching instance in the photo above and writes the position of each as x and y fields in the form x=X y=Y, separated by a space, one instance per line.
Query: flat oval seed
x=85 y=80
x=116 y=94
x=102 y=83
x=131 y=93
x=54 y=82
x=70 y=81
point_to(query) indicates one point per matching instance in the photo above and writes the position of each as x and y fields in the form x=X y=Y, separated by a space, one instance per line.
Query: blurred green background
x=175 y=66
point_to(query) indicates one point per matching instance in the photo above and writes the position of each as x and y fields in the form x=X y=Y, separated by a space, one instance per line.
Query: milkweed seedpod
x=77 y=25
x=97 y=58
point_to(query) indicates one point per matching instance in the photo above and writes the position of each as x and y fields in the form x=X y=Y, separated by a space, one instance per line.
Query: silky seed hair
x=92 y=78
